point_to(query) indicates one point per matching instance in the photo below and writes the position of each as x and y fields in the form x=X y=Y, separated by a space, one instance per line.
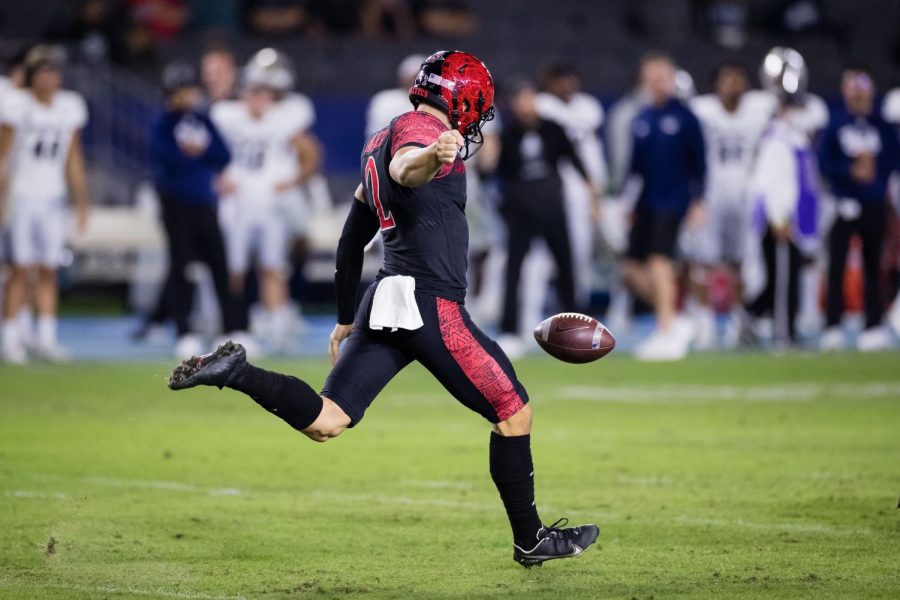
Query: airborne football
x=574 y=338
x=307 y=299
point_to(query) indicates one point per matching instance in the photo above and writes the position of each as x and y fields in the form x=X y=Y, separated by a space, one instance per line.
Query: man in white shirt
x=273 y=155
x=41 y=165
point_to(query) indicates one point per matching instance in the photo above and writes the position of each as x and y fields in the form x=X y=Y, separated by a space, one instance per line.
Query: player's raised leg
x=286 y=397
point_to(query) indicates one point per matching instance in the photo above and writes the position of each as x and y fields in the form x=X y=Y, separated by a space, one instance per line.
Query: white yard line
x=111 y=589
x=170 y=486
x=437 y=484
x=404 y=500
x=33 y=494
x=602 y=516
x=686 y=394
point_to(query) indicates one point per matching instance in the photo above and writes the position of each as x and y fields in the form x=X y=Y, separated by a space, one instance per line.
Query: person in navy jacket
x=187 y=154
x=669 y=159
x=858 y=152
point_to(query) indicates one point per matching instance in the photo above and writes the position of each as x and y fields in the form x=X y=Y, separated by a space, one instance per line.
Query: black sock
x=284 y=396
x=513 y=474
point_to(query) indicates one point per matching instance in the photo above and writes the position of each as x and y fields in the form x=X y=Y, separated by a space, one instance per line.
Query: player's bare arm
x=7 y=134
x=76 y=176
x=309 y=160
x=414 y=167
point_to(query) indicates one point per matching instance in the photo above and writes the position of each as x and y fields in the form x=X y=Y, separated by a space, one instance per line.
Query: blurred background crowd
x=699 y=174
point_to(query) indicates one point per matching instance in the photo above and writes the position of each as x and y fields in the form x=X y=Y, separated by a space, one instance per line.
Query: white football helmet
x=269 y=68
x=784 y=73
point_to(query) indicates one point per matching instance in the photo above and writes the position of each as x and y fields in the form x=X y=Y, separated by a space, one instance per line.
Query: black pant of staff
x=869 y=225
x=194 y=235
x=532 y=211
x=780 y=297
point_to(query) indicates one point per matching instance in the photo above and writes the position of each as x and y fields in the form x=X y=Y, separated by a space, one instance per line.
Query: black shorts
x=470 y=365
x=653 y=233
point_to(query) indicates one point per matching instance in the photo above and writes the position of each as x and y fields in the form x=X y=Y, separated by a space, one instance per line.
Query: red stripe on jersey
x=480 y=368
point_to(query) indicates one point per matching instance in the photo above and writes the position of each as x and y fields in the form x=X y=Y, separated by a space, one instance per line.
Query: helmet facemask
x=472 y=133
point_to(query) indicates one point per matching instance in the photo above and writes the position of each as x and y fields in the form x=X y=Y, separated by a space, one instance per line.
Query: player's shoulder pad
x=891 y=106
x=814 y=114
x=704 y=105
x=588 y=108
x=75 y=107
x=13 y=105
x=297 y=112
x=225 y=113
x=415 y=128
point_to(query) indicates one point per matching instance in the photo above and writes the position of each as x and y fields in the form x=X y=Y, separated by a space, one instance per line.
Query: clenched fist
x=447 y=146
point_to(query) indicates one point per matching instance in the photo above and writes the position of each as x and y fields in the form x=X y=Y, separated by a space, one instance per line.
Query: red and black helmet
x=460 y=85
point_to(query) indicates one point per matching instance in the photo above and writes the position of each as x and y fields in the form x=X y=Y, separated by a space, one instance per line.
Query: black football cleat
x=557 y=542
x=218 y=368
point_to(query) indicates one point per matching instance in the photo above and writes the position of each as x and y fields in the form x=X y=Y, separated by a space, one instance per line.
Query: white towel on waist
x=394 y=305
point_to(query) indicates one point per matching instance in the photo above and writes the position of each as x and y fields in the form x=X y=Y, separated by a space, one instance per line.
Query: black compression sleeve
x=359 y=228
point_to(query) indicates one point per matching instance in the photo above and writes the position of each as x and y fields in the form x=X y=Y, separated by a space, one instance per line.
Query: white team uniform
x=5 y=87
x=37 y=194
x=257 y=218
x=581 y=119
x=731 y=141
x=384 y=106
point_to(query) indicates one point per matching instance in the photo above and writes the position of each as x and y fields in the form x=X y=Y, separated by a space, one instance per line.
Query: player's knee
x=517 y=424
x=330 y=423
x=321 y=435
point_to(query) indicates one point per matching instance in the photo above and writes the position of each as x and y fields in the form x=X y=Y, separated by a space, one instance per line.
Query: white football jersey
x=262 y=152
x=384 y=107
x=891 y=106
x=43 y=135
x=581 y=117
x=731 y=140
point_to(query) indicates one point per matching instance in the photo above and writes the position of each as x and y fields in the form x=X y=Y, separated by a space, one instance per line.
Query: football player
x=41 y=162
x=733 y=120
x=273 y=155
x=891 y=114
x=581 y=115
x=785 y=192
x=485 y=293
x=413 y=191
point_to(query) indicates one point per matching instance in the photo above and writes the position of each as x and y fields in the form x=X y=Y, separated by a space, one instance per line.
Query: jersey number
x=47 y=145
x=251 y=154
x=386 y=220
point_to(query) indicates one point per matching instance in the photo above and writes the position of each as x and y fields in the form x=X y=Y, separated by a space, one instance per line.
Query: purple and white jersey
x=784 y=182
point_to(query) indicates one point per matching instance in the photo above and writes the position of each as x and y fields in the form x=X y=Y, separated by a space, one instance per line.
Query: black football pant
x=471 y=366
x=531 y=211
x=193 y=234
x=780 y=297
x=870 y=227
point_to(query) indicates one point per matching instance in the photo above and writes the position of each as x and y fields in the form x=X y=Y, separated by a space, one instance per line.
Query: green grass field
x=722 y=476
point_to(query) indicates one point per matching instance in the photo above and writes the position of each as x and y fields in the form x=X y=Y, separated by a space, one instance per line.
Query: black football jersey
x=424 y=229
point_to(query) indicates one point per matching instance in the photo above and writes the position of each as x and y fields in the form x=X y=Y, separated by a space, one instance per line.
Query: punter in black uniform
x=414 y=190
